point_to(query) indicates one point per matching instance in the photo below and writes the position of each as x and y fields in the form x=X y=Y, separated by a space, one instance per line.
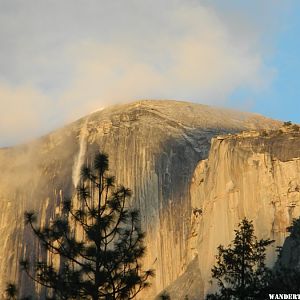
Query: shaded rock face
x=254 y=177
x=189 y=285
x=154 y=148
x=290 y=253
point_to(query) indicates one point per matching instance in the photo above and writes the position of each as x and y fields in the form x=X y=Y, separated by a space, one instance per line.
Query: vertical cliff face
x=154 y=148
x=248 y=175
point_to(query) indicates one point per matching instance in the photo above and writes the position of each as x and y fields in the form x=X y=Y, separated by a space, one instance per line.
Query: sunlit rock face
x=248 y=175
x=154 y=148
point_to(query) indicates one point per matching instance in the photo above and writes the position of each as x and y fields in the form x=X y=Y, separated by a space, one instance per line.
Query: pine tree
x=285 y=277
x=11 y=291
x=165 y=296
x=240 y=270
x=97 y=240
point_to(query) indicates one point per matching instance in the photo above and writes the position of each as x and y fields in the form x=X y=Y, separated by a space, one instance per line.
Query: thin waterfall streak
x=81 y=153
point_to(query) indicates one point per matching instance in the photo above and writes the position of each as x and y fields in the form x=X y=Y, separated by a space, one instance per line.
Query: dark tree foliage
x=294 y=230
x=240 y=271
x=97 y=239
x=11 y=291
x=283 y=281
x=286 y=278
x=165 y=296
x=287 y=123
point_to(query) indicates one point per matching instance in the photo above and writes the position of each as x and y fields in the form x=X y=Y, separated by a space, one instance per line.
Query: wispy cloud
x=24 y=113
x=62 y=59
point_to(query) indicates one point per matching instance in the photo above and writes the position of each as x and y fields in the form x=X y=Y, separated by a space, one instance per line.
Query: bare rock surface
x=154 y=148
x=189 y=285
x=254 y=175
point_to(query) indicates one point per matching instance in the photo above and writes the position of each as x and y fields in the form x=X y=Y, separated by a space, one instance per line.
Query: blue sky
x=60 y=60
x=281 y=99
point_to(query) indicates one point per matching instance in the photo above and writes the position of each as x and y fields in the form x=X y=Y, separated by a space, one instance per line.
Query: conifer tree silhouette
x=240 y=270
x=97 y=240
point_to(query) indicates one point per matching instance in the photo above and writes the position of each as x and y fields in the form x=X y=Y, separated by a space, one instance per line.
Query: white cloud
x=24 y=113
x=203 y=62
x=69 y=59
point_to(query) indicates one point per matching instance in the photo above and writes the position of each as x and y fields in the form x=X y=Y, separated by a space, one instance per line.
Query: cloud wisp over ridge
x=62 y=59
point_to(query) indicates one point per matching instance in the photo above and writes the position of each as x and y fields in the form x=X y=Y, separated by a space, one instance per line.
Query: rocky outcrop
x=254 y=175
x=154 y=148
x=189 y=285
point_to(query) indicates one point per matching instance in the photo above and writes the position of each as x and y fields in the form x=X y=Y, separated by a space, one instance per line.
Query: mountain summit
x=154 y=148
